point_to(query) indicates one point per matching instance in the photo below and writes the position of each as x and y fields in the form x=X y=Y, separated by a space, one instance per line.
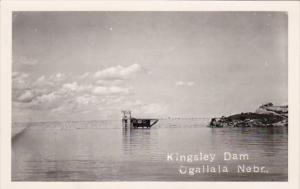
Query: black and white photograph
x=116 y=96
x=149 y=96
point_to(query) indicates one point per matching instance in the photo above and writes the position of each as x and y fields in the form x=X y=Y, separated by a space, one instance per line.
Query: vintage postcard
x=113 y=94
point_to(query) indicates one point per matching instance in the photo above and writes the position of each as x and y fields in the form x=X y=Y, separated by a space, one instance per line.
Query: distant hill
x=267 y=115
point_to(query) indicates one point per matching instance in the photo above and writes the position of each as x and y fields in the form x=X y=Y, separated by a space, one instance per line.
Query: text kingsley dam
x=208 y=157
x=210 y=168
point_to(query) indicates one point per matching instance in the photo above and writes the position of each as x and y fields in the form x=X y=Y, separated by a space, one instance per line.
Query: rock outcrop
x=267 y=115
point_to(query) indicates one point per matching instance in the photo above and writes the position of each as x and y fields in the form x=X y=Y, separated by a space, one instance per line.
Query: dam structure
x=133 y=123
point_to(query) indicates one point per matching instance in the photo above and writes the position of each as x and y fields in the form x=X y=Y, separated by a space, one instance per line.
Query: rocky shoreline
x=267 y=115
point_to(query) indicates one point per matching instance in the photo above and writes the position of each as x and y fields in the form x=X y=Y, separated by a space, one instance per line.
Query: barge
x=131 y=122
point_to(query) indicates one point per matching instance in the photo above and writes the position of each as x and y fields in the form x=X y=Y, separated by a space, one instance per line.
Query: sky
x=91 y=65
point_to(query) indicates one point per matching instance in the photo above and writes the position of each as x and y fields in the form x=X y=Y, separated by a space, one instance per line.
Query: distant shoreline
x=267 y=115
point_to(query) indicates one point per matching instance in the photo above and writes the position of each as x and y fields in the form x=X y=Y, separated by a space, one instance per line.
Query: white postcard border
x=292 y=9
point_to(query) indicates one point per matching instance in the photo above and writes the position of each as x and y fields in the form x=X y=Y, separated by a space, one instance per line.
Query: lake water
x=103 y=151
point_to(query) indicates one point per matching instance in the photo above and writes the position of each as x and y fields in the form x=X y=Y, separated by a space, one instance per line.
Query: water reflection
x=109 y=153
x=139 y=143
x=265 y=146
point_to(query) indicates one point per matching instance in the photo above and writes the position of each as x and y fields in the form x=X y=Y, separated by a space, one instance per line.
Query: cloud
x=85 y=99
x=118 y=72
x=111 y=76
x=20 y=85
x=70 y=86
x=47 y=98
x=185 y=83
x=27 y=96
x=49 y=80
x=42 y=82
x=36 y=99
x=35 y=92
x=112 y=90
x=109 y=82
x=59 y=77
x=109 y=89
x=19 y=80
x=61 y=96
